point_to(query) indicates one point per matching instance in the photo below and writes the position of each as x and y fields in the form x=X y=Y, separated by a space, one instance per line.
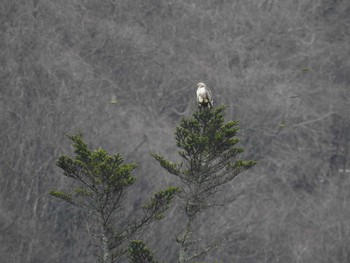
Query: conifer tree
x=102 y=182
x=209 y=152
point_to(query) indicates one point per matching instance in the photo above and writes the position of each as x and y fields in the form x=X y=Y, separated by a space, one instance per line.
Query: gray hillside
x=283 y=67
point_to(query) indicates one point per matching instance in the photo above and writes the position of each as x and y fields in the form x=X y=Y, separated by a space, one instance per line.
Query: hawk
x=204 y=97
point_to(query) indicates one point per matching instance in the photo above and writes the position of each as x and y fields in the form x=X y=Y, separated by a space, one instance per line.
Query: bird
x=204 y=97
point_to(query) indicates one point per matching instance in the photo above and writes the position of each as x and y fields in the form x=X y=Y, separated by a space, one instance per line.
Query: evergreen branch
x=172 y=168
x=139 y=253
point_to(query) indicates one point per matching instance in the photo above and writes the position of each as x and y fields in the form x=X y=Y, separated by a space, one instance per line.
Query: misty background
x=283 y=67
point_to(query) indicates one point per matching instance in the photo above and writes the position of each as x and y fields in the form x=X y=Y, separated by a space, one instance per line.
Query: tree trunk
x=185 y=242
x=105 y=247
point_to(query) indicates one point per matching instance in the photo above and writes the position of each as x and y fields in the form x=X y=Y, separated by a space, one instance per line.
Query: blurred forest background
x=283 y=67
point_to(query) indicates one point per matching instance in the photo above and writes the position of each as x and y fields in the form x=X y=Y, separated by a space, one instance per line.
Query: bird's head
x=201 y=85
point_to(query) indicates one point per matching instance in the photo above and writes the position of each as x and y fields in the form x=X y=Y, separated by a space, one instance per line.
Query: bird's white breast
x=202 y=94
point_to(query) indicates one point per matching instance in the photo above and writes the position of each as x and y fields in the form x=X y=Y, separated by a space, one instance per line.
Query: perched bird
x=204 y=97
